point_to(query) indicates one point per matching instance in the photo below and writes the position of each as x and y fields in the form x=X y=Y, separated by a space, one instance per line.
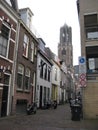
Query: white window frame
x=25 y=45
x=7 y=50
x=21 y=72
x=27 y=75
x=90 y=34
x=32 y=51
x=35 y=51
x=55 y=74
x=29 y=20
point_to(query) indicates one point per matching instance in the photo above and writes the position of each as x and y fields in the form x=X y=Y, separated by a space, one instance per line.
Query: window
x=48 y=93
x=55 y=74
x=34 y=76
x=45 y=95
x=62 y=35
x=4 y=38
x=45 y=74
x=35 y=52
x=93 y=65
x=20 y=76
x=92 y=32
x=29 y=20
x=49 y=74
x=63 y=51
x=25 y=45
x=32 y=51
x=91 y=26
x=27 y=79
x=92 y=59
x=41 y=69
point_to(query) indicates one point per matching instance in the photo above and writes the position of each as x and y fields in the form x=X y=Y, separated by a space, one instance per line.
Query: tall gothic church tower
x=65 y=49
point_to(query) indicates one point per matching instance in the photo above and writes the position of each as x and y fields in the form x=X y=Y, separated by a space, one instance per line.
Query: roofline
x=43 y=54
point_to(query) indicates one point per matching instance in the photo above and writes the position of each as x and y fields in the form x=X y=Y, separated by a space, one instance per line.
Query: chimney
x=14 y=5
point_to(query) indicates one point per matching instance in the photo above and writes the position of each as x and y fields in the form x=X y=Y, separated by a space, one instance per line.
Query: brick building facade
x=18 y=60
x=8 y=34
x=25 y=77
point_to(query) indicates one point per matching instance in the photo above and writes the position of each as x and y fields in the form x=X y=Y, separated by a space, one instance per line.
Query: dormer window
x=29 y=20
x=26 y=15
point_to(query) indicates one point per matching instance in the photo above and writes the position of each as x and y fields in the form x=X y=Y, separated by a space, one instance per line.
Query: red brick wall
x=26 y=62
x=13 y=26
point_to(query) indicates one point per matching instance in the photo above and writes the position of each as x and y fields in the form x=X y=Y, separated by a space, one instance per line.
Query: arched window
x=63 y=52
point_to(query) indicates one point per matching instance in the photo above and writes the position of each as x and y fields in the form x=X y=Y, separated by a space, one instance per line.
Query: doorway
x=4 y=101
x=40 y=102
x=5 y=95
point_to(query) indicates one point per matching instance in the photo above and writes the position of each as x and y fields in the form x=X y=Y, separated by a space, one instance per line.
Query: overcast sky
x=49 y=16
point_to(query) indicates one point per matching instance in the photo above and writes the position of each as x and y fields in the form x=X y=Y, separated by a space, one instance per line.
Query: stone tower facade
x=65 y=49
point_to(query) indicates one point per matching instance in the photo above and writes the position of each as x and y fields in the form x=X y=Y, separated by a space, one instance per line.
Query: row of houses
x=29 y=71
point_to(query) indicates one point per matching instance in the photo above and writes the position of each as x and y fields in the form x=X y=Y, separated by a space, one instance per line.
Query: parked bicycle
x=50 y=104
x=32 y=108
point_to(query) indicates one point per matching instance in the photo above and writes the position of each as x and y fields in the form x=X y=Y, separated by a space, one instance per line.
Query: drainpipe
x=14 y=64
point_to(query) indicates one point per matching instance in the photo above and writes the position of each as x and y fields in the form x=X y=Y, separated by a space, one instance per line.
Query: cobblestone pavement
x=59 y=119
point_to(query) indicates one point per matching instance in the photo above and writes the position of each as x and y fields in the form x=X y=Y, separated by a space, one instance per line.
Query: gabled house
x=59 y=78
x=8 y=43
x=56 y=76
x=63 y=94
x=44 y=76
x=26 y=63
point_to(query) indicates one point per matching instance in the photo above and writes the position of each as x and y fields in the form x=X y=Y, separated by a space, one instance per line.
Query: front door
x=40 y=102
x=4 y=101
x=5 y=95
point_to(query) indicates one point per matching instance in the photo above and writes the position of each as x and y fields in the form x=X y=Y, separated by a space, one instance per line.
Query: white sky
x=49 y=16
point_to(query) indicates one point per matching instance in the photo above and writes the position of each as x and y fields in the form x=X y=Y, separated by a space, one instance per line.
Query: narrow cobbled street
x=50 y=119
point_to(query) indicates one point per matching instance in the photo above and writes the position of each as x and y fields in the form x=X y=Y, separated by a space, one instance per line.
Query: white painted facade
x=43 y=86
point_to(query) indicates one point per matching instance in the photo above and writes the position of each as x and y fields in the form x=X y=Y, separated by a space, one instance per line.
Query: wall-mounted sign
x=91 y=63
x=82 y=65
x=82 y=60
x=82 y=71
